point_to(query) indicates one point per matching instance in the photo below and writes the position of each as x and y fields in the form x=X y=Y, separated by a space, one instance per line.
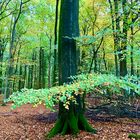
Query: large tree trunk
x=72 y=120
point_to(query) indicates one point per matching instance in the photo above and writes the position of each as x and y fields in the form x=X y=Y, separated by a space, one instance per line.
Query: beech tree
x=71 y=120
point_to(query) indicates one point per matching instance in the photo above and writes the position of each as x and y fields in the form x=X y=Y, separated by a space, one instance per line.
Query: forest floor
x=29 y=123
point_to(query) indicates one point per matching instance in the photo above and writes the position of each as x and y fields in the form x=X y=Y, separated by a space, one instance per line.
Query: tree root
x=71 y=124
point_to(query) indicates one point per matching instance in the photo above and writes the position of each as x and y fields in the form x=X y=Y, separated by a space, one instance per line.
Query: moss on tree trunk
x=70 y=122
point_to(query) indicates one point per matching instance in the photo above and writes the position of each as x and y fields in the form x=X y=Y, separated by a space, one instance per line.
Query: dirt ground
x=29 y=123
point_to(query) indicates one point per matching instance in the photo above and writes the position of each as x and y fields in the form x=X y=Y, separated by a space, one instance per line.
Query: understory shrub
x=101 y=84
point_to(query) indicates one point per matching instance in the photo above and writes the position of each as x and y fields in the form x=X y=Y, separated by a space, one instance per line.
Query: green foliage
x=101 y=83
x=135 y=136
x=90 y=39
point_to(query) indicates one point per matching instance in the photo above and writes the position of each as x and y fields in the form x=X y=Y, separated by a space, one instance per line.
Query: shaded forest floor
x=29 y=123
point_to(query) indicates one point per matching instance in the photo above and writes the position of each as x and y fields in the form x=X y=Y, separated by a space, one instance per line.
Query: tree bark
x=94 y=57
x=41 y=68
x=72 y=120
x=116 y=30
x=104 y=59
x=49 y=63
x=3 y=43
x=55 y=67
x=123 y=49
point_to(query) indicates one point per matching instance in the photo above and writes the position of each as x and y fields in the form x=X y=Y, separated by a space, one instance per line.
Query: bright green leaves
x=89 y=83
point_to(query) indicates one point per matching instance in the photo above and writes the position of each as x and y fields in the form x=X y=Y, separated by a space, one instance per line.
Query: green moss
x=73 y=123
x=132 y=135
x=65 y=128
x=70 y=123
x=85 y=125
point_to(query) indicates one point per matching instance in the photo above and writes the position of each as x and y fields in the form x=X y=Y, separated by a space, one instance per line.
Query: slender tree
x=115 y=19
x=41 y=68
x=12 y=48
x=3 y=43
x=55 y=45
x=123 y=49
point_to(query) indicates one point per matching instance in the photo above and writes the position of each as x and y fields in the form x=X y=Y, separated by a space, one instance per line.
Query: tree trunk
x=49 y=63
x=10 y=67
x=115 y=27
x=21 y=82
x=55 y=67
x=132 y=42
x=132 y=59
x=123 y=49
x=95 y=63
x=24 y=76
x=104 y=59
x=94 y=56
x=3 y=44
x=30 y=76
x=35 y=72
x=41 y=68
x=72 y=120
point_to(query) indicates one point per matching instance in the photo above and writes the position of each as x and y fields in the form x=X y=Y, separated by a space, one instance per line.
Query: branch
x=99 y=45
x=7 y=15
x=4 y=7
x=136 y=31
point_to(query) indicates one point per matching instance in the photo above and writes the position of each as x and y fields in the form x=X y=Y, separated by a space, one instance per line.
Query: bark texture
x=72 y=120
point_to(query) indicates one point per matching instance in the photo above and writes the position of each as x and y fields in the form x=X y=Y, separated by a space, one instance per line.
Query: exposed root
x=84 y=125
x=71 y=124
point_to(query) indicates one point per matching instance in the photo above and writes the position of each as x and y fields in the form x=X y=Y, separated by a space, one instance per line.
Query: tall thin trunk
x=40 y=67
x=123 y=49
x=55 y=46
x=95 y=63
x=43 y=68
x=29 y=76
x=132 y=43
x=3 y=44
x=132 y=49
x=49 y=63
x=115 y=23
x=10 y=67
x=24 y=76
x=21 y=82
x=94 y=57
x=104 y=59
x=117 y=35
x=35 y=71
